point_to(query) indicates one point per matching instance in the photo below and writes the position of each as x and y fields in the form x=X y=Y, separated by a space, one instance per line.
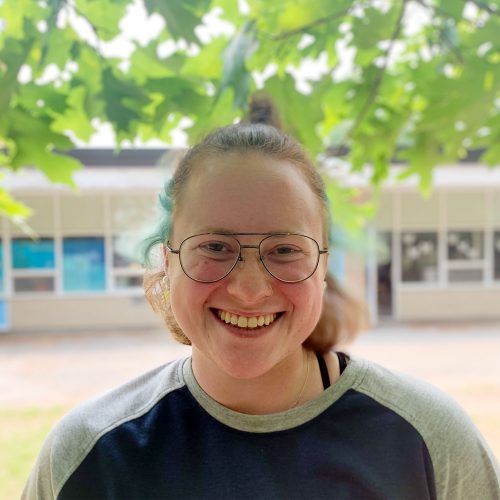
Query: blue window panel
x=33 y=254
x=4 y=316
x=83 y=264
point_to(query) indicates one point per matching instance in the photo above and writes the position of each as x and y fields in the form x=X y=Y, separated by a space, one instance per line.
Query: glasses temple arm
x=170 y=249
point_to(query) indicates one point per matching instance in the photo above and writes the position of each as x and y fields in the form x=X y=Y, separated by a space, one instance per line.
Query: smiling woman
x=264 y=407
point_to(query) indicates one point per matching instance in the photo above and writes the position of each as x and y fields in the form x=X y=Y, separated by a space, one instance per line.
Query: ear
x=324 y=267
x=165 y=257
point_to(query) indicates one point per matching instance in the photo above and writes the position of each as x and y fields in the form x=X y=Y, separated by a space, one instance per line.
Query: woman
x=263 y=408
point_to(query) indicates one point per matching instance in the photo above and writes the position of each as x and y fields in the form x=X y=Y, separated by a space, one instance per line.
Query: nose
x=249 y=281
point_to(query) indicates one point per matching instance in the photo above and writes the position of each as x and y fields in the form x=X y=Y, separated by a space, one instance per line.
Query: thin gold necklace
x=304 y=384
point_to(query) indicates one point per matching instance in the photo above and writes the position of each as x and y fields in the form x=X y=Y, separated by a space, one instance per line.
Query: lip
x=246 y=333
x=247 y=314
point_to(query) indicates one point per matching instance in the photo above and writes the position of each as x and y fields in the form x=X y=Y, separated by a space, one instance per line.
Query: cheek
x=307 y=298
x=188 y=299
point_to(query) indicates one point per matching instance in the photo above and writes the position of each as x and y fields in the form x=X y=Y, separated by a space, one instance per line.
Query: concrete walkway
x=65 y=369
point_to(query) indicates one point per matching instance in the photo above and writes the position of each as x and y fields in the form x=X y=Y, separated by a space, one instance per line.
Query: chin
x=245 y=367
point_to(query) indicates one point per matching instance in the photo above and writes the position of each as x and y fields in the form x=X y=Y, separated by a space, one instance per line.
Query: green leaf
x=422 y=158
x=230 y=11
x=12 y=57
x=144 y=64
x=438 y=95
x=219 y=114
x=56 y=47
x=11 y=208
x=13 y=14
x=32 y=143
x=35 y=131
x=123 y=101
x=291 y=105
x=90 y=69
x=75 y=117
x=234 y=72
x=207 y=65
x=181 y=16
x=454 y=8
x=105 y=20
x=350 y=212
x=300 y=13
x=373 y=27
x=56 y=167
x=492 y=156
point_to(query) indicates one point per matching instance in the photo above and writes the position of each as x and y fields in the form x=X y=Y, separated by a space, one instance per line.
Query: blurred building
x=430 y=259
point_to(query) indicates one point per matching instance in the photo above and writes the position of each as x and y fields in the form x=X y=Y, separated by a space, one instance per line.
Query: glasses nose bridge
x=256 y=247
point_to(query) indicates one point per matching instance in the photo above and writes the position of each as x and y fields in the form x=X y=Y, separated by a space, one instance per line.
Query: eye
x=284 y=253
x=216 y=247
x=286 y=250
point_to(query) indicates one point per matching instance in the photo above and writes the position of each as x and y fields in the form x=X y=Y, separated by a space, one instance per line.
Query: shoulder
x=407 y=396
x=464 y=466
x=78 y=431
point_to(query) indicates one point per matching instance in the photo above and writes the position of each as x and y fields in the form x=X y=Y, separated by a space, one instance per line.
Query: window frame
x=88 y=292
x=481 y=263
x=400 y=244
x=31 y=272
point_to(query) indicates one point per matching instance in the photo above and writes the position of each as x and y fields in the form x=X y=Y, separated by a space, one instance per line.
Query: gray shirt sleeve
x=464 y=465
x=75 y=435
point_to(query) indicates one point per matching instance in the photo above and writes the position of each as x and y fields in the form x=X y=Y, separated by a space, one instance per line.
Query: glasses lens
x=209 y=257
x=290 y=258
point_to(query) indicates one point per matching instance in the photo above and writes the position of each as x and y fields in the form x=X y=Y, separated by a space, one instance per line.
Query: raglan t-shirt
x=374 y=434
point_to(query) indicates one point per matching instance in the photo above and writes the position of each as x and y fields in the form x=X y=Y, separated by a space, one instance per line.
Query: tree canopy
x=416 y=80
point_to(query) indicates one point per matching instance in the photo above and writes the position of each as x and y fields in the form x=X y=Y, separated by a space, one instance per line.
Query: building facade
x=439 y=258
x=431 y=259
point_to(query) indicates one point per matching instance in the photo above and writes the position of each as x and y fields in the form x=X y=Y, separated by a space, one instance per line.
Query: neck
x=287 y=384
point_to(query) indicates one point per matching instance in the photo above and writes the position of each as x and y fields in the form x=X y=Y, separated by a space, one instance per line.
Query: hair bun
x=262 y=110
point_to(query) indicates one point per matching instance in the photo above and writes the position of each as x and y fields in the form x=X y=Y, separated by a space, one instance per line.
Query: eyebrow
x=220 y=230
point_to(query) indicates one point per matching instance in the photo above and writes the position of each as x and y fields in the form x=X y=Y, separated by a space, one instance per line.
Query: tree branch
x=306 y=27
x=434 y=8
x=71 y=4
x=380 y=75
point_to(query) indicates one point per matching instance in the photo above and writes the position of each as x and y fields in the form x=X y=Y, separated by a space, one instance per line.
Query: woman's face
x=245 y=193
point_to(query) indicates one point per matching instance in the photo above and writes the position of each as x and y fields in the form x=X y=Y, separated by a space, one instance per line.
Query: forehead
x=243 y=192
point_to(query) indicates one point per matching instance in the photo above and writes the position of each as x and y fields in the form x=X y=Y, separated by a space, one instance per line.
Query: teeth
x=244 y=321
x=252 y=322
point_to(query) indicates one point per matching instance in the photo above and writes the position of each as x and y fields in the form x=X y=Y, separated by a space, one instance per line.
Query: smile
x=246 y=321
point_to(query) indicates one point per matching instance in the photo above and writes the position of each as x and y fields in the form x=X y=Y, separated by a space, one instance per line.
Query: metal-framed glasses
x=210 y=257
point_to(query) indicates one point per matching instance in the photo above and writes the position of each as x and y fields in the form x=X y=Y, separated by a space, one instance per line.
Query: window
x=127 y=270
x=419 y=257
x=33 y=254
x=83 y=264
x=496 y=254
x=33 y=263
x=465 y=256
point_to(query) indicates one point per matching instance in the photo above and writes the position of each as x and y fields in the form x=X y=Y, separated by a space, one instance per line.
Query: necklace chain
x=304 y=384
